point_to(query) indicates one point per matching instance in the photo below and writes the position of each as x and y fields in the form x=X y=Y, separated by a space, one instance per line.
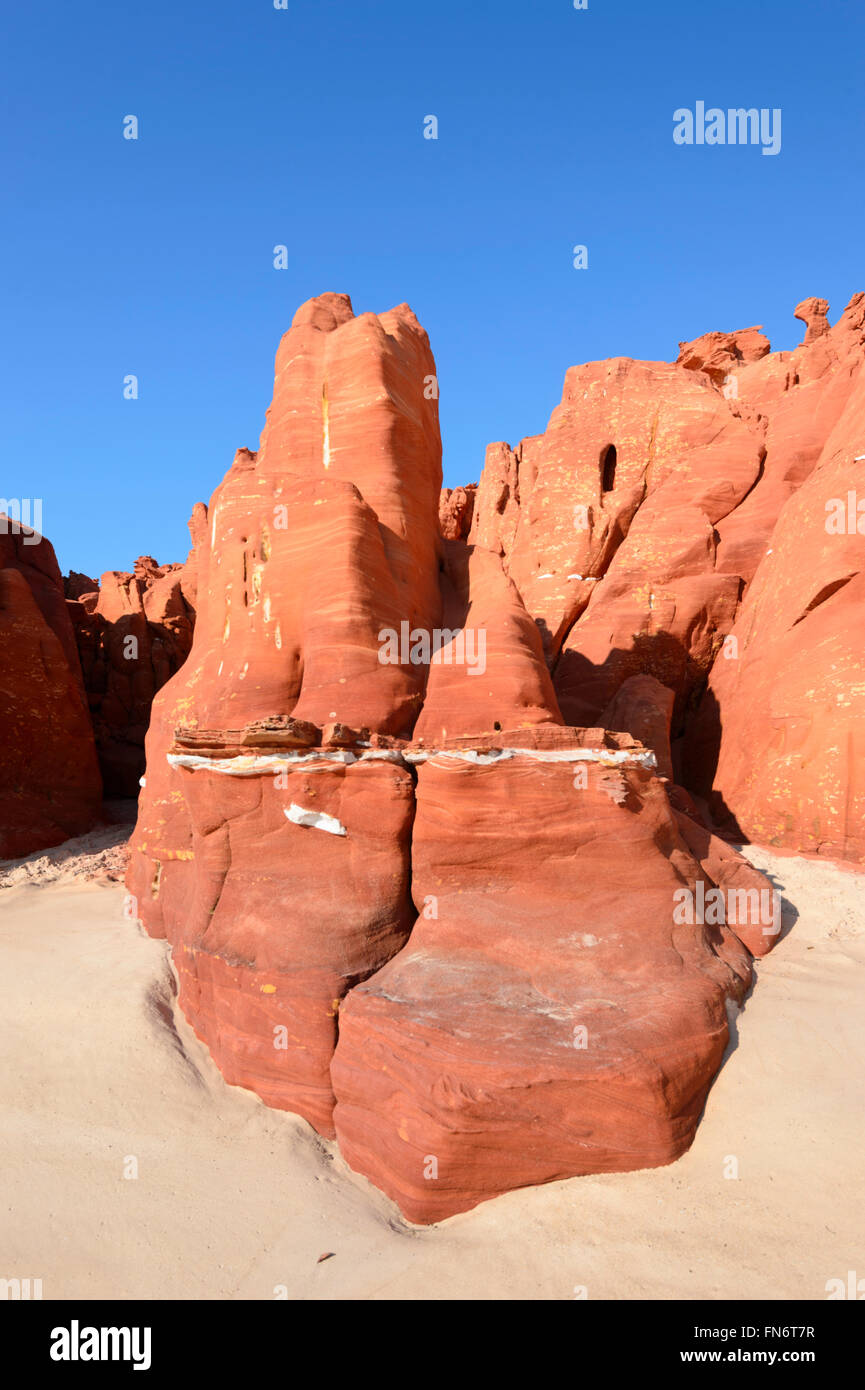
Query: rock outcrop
x=719 y=355
x=50 y=788
x=651 y=532
x=456 y=506
x=133 y=632
x=310 y=549
x=548 y=1017
x=779 y=741
x=608 y=528
x=415 y=891
x=814 y=314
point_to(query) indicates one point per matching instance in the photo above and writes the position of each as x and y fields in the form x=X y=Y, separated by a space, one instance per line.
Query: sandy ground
x=232 y=1200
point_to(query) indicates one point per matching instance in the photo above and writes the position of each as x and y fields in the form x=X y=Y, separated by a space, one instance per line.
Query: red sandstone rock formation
x=456 y=506
x=50 y=787
x=643 y=708
x=406 y=896
x=547 y=1017
x=813 y=313
x=133 y=632
x=309 y=551
x=720 y=354
x=795 y=399
x=634 y=528
x=606 y=524
x=779 y=744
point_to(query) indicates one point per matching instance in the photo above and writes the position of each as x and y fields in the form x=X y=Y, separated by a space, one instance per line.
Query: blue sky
x=304 y=127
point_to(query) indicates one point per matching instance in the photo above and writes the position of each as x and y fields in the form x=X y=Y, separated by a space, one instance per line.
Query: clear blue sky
x=304 y=127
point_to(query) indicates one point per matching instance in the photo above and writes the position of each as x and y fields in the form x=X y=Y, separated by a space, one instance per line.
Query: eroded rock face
x=414 y=892
x=640 y=533
x=720 y=354
x=795 y=399
x=547 y=1018
x=643 y=708
x=133 y=632
x=285 y=915
x=814 y=313
x=608 y=531
x=50 y=788
x=778 y=745
x=300 y=578
x=456 y=507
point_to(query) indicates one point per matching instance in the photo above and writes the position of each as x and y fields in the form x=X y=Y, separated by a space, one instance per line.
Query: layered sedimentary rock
x=489 y=672
x=300 y=870
x=795 y=399
x=608 y=528
x=310 y=549
x=640 y=533
x=50 y=787
x=779 y=742
x=456 y=507
x=720 y=355
x=133 y=633
x=410 y=895
x=547 y=1018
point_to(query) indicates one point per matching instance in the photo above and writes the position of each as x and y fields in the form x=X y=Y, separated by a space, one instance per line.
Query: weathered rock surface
x=640 y=532
x=813 y=312
x=401 y=864
x=133 y=632
x=720 y=354
x=779 y=742
x=456 y=507
x=309 y=550
x=608 y=525
x=546 y=1018
x=50 y=787
x=491 y=674
x=795 y=399
x=287 y=911
x=643 y=708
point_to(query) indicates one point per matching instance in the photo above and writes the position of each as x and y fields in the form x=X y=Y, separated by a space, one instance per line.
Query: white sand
x=233 y=1199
